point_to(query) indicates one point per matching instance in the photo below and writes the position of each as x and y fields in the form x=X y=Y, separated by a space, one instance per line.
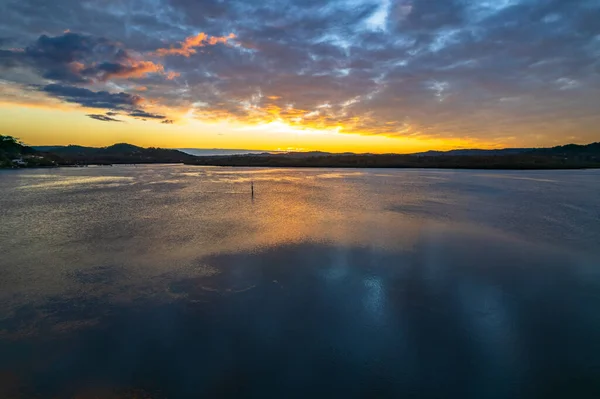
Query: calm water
x=172 y=282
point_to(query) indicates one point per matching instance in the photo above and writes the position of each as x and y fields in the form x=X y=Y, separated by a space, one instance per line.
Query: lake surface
x=173 y=282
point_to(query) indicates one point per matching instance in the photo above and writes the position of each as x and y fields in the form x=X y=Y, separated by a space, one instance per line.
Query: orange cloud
x=320 y=118
x=76 y=67
x=172 y=75
x=189 y=45
x=134 y=69
x=130 y=68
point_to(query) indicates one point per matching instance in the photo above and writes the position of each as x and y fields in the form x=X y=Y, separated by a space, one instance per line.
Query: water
x=172 y=282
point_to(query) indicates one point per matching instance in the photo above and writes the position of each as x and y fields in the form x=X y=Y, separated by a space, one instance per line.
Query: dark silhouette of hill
x=120 y=153
x=570 y=150
x=569 y=156
x=462 y=152
x=203 y=152
x=310 y=154
x=15 y=154
x=475 y=152
x=11 y=146
x=564 y=157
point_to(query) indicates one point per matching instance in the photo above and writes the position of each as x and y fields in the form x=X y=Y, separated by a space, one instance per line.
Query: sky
x=339 y=75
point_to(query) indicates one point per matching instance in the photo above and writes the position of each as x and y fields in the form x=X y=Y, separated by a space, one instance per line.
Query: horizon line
x=295 y=150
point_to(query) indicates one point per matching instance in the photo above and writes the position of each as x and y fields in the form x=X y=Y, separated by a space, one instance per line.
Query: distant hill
x=564 y=157
x=474 y=152
x=312 y=154
x=569 y=156
x=60 y=148
x=569 y=150
x=14 y=154
x=121 y=153
x=566 y=150
x=227 y=152
x=11 y=146
x=211 y=152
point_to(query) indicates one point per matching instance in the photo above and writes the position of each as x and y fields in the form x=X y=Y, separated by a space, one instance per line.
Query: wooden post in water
x=252 y=188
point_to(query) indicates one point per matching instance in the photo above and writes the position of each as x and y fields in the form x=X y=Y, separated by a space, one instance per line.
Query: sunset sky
x=342 y=75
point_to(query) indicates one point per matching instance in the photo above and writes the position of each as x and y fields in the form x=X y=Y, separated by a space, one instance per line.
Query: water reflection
x=351 y=285
x=308 y=319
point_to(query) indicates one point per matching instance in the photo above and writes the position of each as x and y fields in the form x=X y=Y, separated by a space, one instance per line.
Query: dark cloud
x=132 y=69
x=168 y=121
x=67 y=48
x=61 y=58
x=482 y=70
x=138 y=113
x=72 y=60
x=93 y=99
x=75 y=58
x=103 y=118
x=8 y=59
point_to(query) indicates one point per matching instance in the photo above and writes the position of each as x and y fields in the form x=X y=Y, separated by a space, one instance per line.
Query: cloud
x=103 y=118
x=82 y=59
x=68 y=48
x=69 y=61
x=191 y=43
x=130 y=69
x=56 y=58
x=93 y=99
x=168 y=121
x=138 y=113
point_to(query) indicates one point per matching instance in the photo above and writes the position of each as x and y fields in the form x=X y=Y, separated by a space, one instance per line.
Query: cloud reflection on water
x=372 y=284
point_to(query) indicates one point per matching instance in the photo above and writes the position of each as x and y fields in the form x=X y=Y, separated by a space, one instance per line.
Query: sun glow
x=284 y=128
x=45 y=124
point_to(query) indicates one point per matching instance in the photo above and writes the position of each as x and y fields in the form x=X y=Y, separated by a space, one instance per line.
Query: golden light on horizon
x=44 y=124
